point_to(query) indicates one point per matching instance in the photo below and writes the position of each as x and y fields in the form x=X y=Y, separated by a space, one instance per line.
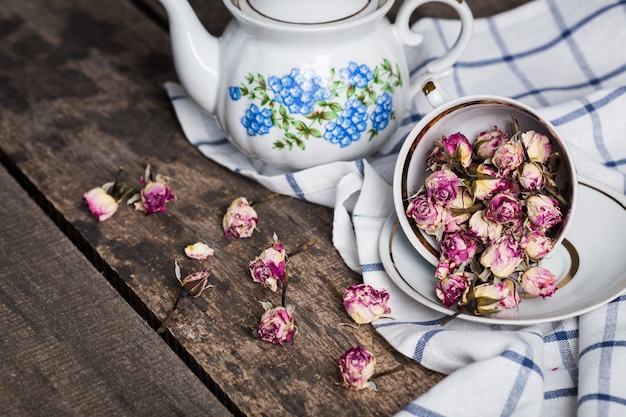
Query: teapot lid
x=308 y=11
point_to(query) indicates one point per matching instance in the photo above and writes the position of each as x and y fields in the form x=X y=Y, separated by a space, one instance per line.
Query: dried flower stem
x=302 y=247
x=182 y=294
x=283 y=295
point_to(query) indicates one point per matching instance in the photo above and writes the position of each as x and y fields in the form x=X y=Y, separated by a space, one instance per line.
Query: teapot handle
x=443 y=65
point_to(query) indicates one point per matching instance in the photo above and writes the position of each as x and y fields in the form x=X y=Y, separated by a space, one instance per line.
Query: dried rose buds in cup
x=494 y=209
x=365 y=303
x=356 y=367
x=240 y=219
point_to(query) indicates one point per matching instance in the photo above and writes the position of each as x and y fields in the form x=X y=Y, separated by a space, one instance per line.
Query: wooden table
x=80 y=301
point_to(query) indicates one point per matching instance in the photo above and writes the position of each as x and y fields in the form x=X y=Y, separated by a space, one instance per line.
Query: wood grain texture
x=70 y=344
x=81 y=95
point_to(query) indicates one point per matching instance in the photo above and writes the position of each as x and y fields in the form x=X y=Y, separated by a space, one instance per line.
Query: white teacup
x=469 y=115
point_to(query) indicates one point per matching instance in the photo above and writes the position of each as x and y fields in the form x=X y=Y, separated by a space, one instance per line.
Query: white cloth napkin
x=567 y=59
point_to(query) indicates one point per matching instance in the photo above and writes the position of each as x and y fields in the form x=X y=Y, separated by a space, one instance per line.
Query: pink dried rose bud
x=269 y=267
x=539 y=282
x=504 y=209
x=508 y=157
x=356 y=367
x=155 y=195
x=536 y=244
x=538 y=146
x=458 y=212
x=195 y=283
x=531 y=177
x=365 y=303
x=483 y=229
x=453 y=288
x=240 y=219
x=100 y=203
x=543 y=211
x=486 y=143
x=457 y=248
x=502 y=256
x=457 y=146
x=277 y=324
x=442 y=187
x=199 y=250
x=428 y=216
x=487 y=182
x=492 y=298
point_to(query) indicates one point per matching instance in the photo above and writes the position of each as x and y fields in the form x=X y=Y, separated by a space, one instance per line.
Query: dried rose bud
x=458 y=147
x=539 y=281
x=195 y=283
x=240 y=219
x=356 y=367
x=486 y=143
x=536 y=244
x=427 y=215
x=365 y=303
x=508 y=157
x=543 y=211
x=531 y=177
x=442 y=186
x=269 y=267
x=538 y=146
x=100 y=203
x=155 y=195
x=502 y=256
x=483 y=229
x=277 y=324
x=492 y=298
x=199 y=250
x=453 y=288
x=504 y=209
x=457 y=248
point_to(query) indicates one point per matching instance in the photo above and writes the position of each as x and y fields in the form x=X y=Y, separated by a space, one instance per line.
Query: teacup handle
x=443 y=65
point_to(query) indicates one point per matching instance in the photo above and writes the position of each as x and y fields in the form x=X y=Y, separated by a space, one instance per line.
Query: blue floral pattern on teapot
x=304 y=104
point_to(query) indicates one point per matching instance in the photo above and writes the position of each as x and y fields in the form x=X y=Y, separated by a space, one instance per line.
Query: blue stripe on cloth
x=522 y=360
x=180 y=97
x=291 y=180
x=418 y=353
x=508 y=59
x=606 y=355
x=418 y=410
x=602 y=397
x=569 y=40
x=550 y=44
x=372 y=267
x=216 y=142
x=560 y=393
x=360 y=165
x=583 y=111
x=568 y=355
x=521 y=380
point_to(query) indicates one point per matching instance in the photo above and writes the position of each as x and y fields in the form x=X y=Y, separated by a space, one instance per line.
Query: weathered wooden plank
x=81 y=96
x=70 y=344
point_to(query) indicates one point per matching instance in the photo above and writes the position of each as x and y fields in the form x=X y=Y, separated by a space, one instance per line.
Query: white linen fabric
x=566 y=58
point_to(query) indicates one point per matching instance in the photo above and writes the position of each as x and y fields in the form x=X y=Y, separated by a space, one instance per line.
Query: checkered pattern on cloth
x=567 y=59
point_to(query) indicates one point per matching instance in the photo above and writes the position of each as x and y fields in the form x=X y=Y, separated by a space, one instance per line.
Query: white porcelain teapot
x=299 y=83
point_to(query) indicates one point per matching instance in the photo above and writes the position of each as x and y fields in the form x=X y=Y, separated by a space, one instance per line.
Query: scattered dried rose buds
x=199 y=251
x=277 y=324
x=269 y=267
x=356 y=367
x=365 y=303
x=100 y=203
x=240 y=219
x=155 y=194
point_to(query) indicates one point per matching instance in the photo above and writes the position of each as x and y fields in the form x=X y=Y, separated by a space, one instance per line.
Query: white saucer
x=591 y=264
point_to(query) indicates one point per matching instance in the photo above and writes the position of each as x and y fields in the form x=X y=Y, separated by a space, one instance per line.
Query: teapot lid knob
x=308 y=11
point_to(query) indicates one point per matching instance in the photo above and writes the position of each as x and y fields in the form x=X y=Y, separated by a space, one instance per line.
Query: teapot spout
x=196 y=54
